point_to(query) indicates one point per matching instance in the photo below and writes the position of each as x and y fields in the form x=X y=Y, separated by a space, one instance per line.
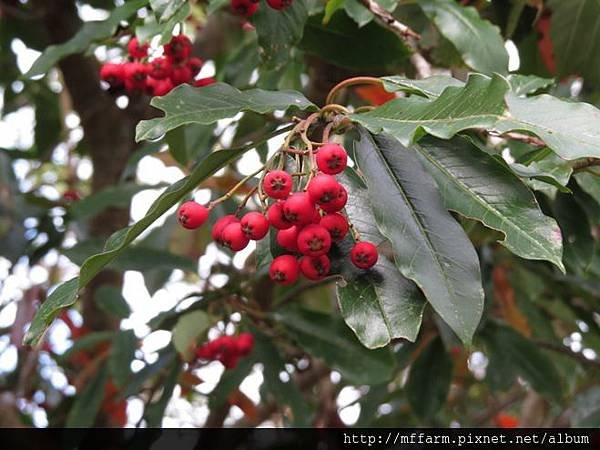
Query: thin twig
x=568 y=352
x=583 y=164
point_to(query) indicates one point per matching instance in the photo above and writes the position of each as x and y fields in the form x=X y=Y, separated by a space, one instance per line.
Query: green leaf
x=478 y=186
x=87 y=34
x=178 y=17
x=66 y=294
x=358 y=12
x=523 y=85
x=87 y=342
x=155 y=412
x=329 y=338
x=87 y=402
x=523 y=357
x=477 y=40
x=190 y=143
x=122 y=352
x=430 y=246
x=429 y=380
x=586 y=409
x=189 y=327
x=590 y=183
x=165 y=9
x=330 y=8
x=109 y=299
x=342 y=43
x=379 y=304
x=186 y=104
x=230 y=380
x=165 y=358
x=575 y=30
x=279 y=31
x=431 y=87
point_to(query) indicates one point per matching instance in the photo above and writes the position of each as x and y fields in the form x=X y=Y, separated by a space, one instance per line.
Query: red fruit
x=135 y=50
x=178 y=48
x=158 y=88
x=192 y=215
x=299 y=209
x=316 y=216
x=315 y=268
x=331 y=159
x=71 y=195
x=244 y=7
x=284 y=269
x=233 y=237
x=506 y=420
x=195 y=64
x=338 y=202
x=113 y=74
x=314 y=240
x=135 y=76
x=159 y=68
x=276 y=216
x=279 y=4
x=323 y=188
x=364 y=255
x=288 y=239
x=277 y=184
x=204 y=352
x=201 y=82
x=220 y=225
x=245 y=343
x=181 y=75
x=255 y=225
x=336 y=224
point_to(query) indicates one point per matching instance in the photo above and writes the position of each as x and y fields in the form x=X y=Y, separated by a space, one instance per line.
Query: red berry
x=178 y=49
x=192 y=215
x=276 y=216
x=244 y=344
x=338 y=202
x=316 y=216
x=195 y=64
x=201 y=82
x=181 y=75
x=244 y=7
x=364 y=255
x=315 y=268
x=135 y=76
x=113 y=74
x=233 y=237
x=331 y=159
x=299 y=209
x=288 y=239
x=255 y=225
x=323 y=188
x=159 y=68
x=314 y=240
x=158 y=88
x=135 y=50
x=336 y=224
x=220 y=225
x=284 y=269
x=277 y=184
x=279 y=4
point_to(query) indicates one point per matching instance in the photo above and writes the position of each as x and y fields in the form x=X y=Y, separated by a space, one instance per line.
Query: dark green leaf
x=138 y=379
x=523 y=85
x=122 y=352
x=109 y=299
x=188 y=328
x=230 y=380
x=190 y=143
x=206 y=105
x=155 y=412
x=430 y=246
x=87 y=402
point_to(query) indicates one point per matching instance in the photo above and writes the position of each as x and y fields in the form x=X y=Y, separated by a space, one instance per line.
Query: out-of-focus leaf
x=188 y=328
x=109 y=299
x=586 y=409
x=122 y=352
x=190 y=143
x=154 y=413
x=523 y=85
x=87 y=403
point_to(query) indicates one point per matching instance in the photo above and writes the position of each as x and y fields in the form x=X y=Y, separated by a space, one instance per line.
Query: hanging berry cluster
x=247 y=8
x=305 y=210
x=155 y=76
x=227 y=349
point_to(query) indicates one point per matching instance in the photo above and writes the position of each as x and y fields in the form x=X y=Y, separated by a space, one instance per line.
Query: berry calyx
x=337 y=203
x=314 y=240
x=245 y=8
x=279 y=4
x=192 y=215
x=233 y=237
x=288 y=239
x=284 y=269
x=315 y=268
x=332 y=159
x=364 y=255
x=276 y=216
x=255 y=225
x=323 y=188
x=137 y=50
x=299 y=209
x=220 y=225
x=277 y=184
x=336 y=224
x=195 y=64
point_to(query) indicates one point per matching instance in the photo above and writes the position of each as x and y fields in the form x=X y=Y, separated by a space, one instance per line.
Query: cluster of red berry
x=307 y=222
x=249 y=7
x=227 y=349
x=156 y=76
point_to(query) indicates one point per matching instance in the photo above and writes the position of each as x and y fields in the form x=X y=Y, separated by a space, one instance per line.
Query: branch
x=568 y=352
x=583 y=164
x=513 y=396
x=532 y=140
